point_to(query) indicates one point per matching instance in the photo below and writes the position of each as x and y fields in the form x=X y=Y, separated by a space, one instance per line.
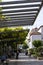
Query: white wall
x=39 y=30
x=36 y=37
x=32 y=38
x=30 y=45
x=42 y=30
x=42 y=33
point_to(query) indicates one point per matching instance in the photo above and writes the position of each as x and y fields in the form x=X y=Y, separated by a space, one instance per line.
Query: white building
x=34 y=35
x=41 y=31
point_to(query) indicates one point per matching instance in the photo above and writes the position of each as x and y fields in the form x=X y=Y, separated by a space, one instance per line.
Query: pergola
x=21 y=12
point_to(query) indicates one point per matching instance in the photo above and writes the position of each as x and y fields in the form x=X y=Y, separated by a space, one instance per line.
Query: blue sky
x=39 y=20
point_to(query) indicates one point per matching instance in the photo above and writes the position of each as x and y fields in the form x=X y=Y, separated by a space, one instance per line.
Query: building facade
x=35 y=34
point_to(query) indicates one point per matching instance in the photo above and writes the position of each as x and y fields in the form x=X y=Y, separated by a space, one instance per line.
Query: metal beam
x=13 y=25
x=16 y=20
x=17 y=2
x=22 y=17
x=20 y=14
x=13 y=11
x=12 y=7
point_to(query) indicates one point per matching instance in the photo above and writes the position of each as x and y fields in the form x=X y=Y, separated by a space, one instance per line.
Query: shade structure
x=20 y=13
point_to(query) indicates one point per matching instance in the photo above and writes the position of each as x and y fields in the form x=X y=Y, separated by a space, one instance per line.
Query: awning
x=21 y=12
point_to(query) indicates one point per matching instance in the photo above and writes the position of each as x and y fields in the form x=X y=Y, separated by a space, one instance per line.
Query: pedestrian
x=17 y=54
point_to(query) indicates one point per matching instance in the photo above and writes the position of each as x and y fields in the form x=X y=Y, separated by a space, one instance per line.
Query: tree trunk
x=17 y=53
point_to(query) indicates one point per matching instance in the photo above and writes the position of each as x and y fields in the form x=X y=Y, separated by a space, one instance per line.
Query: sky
x=39 y=20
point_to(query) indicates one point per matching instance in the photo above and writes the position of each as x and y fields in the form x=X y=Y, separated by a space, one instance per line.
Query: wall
x=42 y=33
x=32 y=38
x=30 y=43
x=36 y=37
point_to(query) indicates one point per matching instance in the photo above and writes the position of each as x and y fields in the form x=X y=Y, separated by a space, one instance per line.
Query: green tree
x=37 y=43
x=13 y=37
x=25 y=46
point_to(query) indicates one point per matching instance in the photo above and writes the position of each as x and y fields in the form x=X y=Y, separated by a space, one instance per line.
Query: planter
x=40 y=58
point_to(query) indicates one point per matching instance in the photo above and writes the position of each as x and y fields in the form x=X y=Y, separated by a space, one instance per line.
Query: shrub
x=40 y=50
x=37 y=43
x=31 y=51
x=25 y=46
